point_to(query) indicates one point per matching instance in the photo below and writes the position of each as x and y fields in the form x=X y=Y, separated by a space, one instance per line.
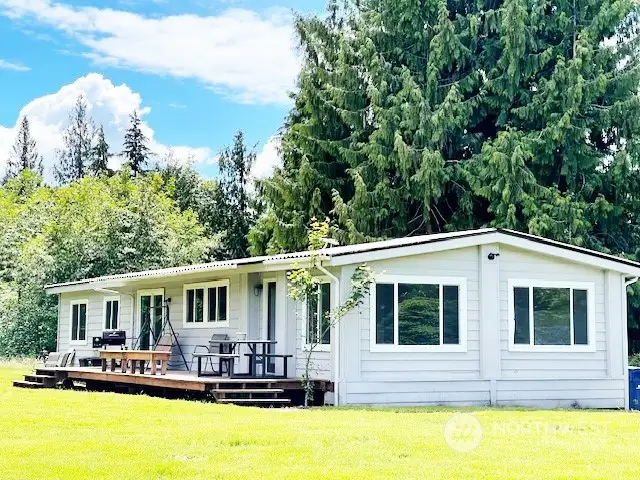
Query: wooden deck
x=182 y=383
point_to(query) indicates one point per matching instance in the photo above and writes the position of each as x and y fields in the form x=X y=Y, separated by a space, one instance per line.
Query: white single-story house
x=483 y=317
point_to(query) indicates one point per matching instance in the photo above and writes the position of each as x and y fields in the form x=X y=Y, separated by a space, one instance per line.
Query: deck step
x=254 y=401
x=40 y=375
x=247 y=390
x=45 y=379
x=26 y=384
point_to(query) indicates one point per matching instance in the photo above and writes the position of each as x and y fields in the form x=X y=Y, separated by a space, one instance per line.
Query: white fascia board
x=119 y=282
x=418 y=249
x=484 y=239
x=570 y=255
x=297 y=260
x=84 y=287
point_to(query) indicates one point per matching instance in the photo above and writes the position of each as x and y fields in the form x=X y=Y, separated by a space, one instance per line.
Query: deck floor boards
x=180 y=380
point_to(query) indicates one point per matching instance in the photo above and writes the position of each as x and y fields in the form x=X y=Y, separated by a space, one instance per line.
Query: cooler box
x=634 y=388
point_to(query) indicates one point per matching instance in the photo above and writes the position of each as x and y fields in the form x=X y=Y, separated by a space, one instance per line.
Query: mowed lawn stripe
x=57 y=434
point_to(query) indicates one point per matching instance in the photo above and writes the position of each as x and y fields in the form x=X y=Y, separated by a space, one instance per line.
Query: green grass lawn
x=54 y=434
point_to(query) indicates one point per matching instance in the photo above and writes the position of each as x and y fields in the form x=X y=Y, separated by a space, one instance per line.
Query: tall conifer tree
x=100 y=155
x=425 y=116
x=136 y=151
x=74 y=157
x=236 y=204
x=24 y=153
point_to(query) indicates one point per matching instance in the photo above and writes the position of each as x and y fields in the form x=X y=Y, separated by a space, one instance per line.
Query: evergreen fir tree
x=24 y=153
x=136 y=152
x=425 y=116
x=236 y=204
x=100 y=155
x=75 y=156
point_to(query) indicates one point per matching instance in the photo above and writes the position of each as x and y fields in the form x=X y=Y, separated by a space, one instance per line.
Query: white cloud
x=5 y=65
x=238 y=52
x=267 y=159
x=108 y=105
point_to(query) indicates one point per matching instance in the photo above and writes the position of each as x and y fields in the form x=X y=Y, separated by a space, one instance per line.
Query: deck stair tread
x=254 y=400
x=26 y=384
x=40 y=377
x=247 y=390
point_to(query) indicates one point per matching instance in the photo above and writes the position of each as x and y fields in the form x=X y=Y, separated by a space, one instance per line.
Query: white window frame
x=150 y=292
x=320 y=347
x=531 y=284
x=460 y=282
x=115 y=298
x=207 y=322
x=85 y=302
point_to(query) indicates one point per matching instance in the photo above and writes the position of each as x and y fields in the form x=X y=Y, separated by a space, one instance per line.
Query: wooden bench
x=262 y=359
x=112 y=355
x=227 y=359
x=133 y=356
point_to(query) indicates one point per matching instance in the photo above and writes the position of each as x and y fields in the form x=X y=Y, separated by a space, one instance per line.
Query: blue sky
x=197 y=69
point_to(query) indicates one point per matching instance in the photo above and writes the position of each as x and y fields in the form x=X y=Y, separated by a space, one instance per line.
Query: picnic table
x=230 y=346
x=133 y=356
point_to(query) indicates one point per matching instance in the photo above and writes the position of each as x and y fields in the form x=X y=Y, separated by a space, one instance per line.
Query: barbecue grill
x=117 y=338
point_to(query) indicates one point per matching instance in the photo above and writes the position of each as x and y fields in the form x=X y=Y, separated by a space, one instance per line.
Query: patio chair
x=211 y=348
x=52 y=359
x=166 y=343
x=59 y=359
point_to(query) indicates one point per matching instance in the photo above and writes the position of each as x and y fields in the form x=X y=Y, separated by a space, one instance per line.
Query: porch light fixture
x=257 y=290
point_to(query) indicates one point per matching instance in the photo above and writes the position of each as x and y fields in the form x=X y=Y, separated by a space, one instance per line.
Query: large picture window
x=318 y=316
x=206 y=305
x=78 y=316
x=551 y=315
x=418 y=313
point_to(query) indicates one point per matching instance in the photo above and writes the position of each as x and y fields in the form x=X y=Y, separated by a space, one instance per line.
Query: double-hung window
x=78 y=316
x=418 y=314
x=206 y=305
x=551 y=316
x=318 y=315
x=111 y=313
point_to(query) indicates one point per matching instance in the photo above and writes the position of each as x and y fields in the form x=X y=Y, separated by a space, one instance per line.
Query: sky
x=196 y=70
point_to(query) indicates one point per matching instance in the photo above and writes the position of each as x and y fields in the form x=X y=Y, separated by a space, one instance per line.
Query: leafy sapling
x=305 y=286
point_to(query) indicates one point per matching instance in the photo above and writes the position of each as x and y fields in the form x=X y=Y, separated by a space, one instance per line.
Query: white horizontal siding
x=416 y=378
x=552 y=380
x=586 y=393
x=520 y=264
x=320 y=365
x=418 y=393
x=189 y=338
x=459 y=263
x=546 y=380
x=95 y=321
